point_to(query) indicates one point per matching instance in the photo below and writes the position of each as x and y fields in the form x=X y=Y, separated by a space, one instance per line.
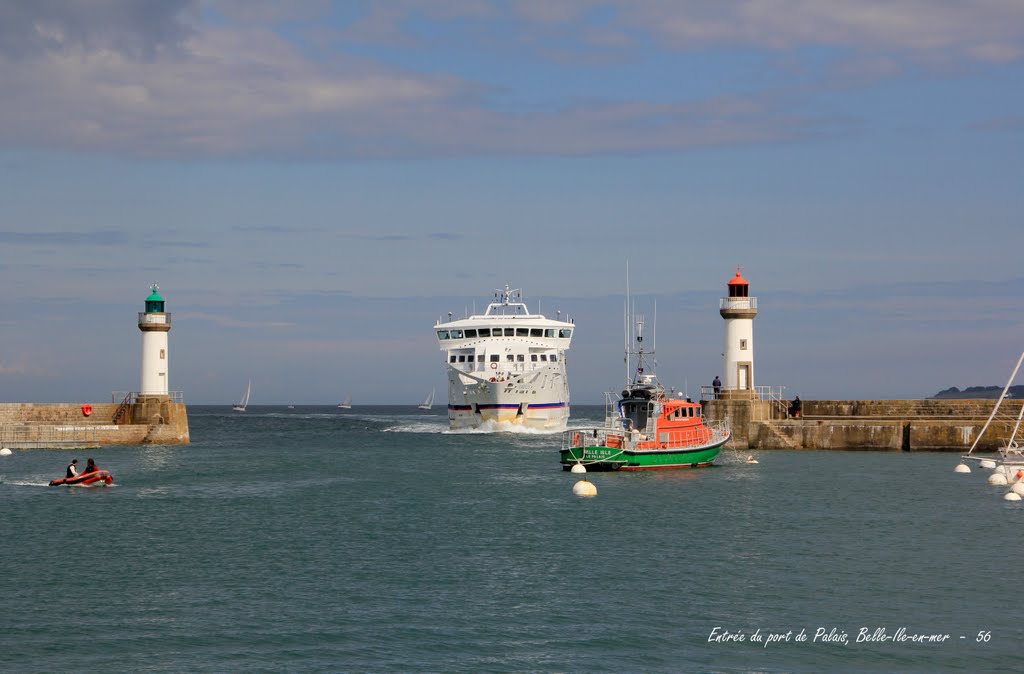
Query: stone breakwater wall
x=888 y=425
x=149 y=421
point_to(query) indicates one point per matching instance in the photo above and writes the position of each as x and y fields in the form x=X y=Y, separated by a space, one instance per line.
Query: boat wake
x=489 y=427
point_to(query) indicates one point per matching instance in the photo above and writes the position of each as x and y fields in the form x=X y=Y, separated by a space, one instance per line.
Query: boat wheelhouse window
x=565 y=332
x=550 y=332
x=510 y=357
x=544 y=356
x=521 y=358
x=485 y=332
x=470 y=333
x=495 y=358
x=462 y=359
x=522 y=332
x=533 y=357
x=554 y=358
x=442 y=334
x=456 y=334
x=635 y=413
x=451 y=359
x=536 y=332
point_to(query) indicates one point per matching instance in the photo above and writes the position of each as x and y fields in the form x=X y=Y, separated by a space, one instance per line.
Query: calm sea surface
x=323 y=540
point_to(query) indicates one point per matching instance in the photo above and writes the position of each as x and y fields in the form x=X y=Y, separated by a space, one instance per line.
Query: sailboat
x=429 y=402
x=240 y=407
x=1010 y=453
x=345 y=404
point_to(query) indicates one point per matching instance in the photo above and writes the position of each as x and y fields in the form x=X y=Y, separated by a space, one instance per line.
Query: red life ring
x=494 y=366
x=86 y=409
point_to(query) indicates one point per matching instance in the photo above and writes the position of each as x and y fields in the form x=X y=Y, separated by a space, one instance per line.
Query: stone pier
x=156 y=420
x=887 y=425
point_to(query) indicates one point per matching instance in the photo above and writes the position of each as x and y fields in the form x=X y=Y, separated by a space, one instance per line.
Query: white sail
x=346 y=404
x=429 y=402
x=240 y=407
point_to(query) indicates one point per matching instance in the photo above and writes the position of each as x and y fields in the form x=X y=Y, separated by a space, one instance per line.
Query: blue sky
x=314 y=184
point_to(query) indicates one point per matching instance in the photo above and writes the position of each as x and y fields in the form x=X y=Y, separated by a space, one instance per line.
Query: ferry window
x=462 y=359
x=510 y=357
x=495 y=358
x=533 y=357
x=550 y=332
x=509 y=332
x=536 y=332
x=442 y=334
x=522 y=332
x=470 y=333
x=521 y=358
x=743 y=345
x=451 y=359
x=566 y=333
x=456 y=334
x=544 y=356
x=554 y=358
x=485 y=332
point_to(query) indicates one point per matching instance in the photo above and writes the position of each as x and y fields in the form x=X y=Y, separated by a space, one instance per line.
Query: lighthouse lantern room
x=738 y=309
x=154 y=323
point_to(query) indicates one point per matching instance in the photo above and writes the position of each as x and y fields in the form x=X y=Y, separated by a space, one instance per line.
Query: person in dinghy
x=91 y=476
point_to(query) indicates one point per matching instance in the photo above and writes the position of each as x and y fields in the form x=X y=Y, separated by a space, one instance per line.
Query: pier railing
x=35 y=435
x=777 y=407
x=132 y=397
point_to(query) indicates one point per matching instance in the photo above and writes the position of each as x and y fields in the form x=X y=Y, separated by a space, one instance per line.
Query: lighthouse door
x=744 y=377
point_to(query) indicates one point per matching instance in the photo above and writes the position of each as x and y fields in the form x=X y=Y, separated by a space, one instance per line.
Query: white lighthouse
x=155 y=323
x=738 y=310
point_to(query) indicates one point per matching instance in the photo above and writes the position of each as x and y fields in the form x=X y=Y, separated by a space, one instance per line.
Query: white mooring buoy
x=1011 y=496
x=997 y=478
x=987 y=463
x=6 y=451
x=1018 y=488
x=585 y=488
x=578 y=468
x=962 y=468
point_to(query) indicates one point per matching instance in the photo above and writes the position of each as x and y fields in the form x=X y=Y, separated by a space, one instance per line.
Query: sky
x=314 y=184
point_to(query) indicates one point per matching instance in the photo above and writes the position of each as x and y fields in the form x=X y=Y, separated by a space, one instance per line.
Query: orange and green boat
x=646 y=428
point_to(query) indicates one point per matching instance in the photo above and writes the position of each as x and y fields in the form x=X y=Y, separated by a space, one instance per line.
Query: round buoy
x=585 y=488
x=578 y=468
x=962 y=468
x=1018 y=488
x=997 y=478
x=6 y=451
x=1011 y=496
x=988 y=463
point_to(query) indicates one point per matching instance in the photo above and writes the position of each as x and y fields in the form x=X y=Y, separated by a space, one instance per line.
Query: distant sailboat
x=240 y=407
x=429 y=402
x=346 y=404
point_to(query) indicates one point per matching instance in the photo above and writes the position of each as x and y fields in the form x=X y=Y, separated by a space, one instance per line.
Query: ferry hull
x=540 y=417
x=609 y=458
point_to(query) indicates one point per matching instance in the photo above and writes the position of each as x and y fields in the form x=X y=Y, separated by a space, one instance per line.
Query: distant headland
x=979 y=392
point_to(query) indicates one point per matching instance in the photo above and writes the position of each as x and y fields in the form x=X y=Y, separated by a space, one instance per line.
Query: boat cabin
x=661 y=422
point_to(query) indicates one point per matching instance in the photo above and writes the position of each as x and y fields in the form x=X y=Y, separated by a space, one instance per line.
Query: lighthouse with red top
x=738 y=309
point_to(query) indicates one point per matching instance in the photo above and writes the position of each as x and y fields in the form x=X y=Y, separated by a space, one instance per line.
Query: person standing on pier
x=717 y=385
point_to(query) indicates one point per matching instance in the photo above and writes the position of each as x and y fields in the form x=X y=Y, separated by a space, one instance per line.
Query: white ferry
x=506 y=366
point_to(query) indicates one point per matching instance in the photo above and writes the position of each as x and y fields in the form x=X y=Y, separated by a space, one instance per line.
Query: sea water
x=316 y=539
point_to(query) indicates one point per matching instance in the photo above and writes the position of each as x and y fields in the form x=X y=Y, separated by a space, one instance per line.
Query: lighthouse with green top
x=154 y=323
